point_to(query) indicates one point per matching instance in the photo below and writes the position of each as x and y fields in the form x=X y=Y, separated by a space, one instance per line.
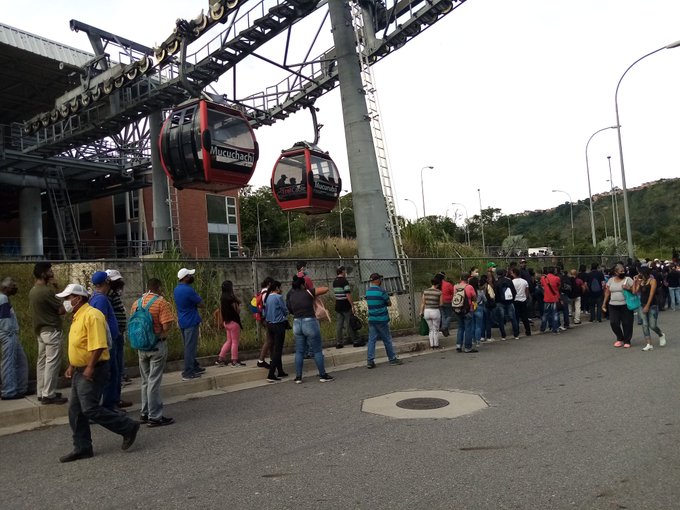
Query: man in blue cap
x=100 y=301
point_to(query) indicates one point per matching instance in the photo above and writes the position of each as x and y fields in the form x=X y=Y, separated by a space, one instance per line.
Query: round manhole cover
x=422 y=403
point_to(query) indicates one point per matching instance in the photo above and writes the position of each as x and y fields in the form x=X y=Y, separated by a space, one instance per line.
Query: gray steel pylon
x=363 y=38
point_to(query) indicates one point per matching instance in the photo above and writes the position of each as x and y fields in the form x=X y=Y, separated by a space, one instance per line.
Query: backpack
x=595 y=286
x=140 y=327
x=460 y=303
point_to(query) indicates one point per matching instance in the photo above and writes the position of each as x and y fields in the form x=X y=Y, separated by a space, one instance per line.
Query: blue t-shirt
x=186 y=301
x=377 y=300
x=101 y=302
x=276 y=310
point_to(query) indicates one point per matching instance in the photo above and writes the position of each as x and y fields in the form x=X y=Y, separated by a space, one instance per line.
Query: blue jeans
x=649 y=321
x=151 y=367
x=190 y=339
x=447 y=313
x=84 y=406
x=507 y=311
x=307 y=337
x=464 y=334
x=550 y=317
x=478 y=324
x=674 y=295
x=111 y=396
x=382 y=330
x=14 y=369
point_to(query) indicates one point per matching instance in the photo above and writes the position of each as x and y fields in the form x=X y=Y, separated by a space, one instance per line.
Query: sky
x=497 y=96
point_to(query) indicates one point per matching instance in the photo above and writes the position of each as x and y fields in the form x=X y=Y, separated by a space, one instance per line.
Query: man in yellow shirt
x=88 y=356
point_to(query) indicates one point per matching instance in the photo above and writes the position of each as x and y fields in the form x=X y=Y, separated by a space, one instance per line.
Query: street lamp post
x=590 y=193
x=422 y=189
x=414 y=206
x=615 y=204
x=481 y=220
x=571 y=214
x=259 y=235
x=604 y=218
x=467 y=229
x=626 y=211
x=290 y=239
x=341 y=211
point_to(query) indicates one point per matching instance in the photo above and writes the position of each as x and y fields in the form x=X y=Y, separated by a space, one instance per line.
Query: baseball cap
x=491 y=264
x=73 y=288
x=340 y=269
x=375 y=276
x=184 y=272
x=99 y=277
x=522 y=261
x=114 y=274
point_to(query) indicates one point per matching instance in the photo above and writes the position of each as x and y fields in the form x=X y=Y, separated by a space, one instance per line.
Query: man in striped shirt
x=378 y=300
x=344 y=308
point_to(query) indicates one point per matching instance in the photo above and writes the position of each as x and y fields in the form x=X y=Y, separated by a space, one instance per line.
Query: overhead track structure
x=113 y=95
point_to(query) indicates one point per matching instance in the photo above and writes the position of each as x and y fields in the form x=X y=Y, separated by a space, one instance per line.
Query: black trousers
x=621 y=320
x=522 y=311
x=278 y=333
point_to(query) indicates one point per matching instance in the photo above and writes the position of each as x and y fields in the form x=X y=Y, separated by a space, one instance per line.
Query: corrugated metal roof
x=41 y=46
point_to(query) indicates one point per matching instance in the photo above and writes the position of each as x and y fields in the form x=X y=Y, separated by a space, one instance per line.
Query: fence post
x=412 y=295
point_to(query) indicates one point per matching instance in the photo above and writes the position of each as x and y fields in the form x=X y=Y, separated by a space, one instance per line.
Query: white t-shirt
x=521 y=287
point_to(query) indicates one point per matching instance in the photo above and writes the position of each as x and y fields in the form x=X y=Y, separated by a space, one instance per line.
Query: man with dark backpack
x=148 y=328
x=596 y=292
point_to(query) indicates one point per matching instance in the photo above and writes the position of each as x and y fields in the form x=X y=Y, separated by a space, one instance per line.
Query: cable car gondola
x=208 y=146
x=305 y=179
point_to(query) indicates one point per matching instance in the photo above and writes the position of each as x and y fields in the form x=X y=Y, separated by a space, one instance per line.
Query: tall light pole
x=604 y=219
x=414 y=206
x=481 y=220
x=341 y=209
x=571 y=214
x=259 y=235
x=626 y=211
x=467 y=230
x=590 y=193
x=290 y=239
x=615 y=203
x=422 y=189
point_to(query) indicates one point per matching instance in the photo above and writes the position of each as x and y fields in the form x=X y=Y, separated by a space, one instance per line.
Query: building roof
x=32 y=77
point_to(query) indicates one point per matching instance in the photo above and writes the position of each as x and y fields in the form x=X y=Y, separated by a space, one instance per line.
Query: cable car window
x=234 y=134
x=290 y=180
x=326 y=178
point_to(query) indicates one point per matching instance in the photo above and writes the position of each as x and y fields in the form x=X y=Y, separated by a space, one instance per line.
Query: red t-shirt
x=551 y=288
x=447 y=291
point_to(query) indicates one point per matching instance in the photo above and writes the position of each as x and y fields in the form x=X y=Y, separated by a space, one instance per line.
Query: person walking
x=88 y=369
x=188 y=302
x=344 y=309
x=646 y=285
x=430 y=309
x=377 y=301
x=14 y=368
x=300 y=303
x=46 y=311
x=230 y=308
x=276 y=316
x=620 y=317
x=152 y=362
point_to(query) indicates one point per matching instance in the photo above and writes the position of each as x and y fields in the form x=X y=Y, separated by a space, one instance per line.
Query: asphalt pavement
x=571 y=422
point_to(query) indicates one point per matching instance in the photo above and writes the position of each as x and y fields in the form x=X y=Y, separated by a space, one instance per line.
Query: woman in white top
x=620 y=317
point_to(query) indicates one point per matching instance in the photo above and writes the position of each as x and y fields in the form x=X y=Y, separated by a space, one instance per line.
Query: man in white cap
x=188 y=302
x=88 y=369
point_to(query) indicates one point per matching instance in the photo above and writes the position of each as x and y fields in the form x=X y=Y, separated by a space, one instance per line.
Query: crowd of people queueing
x=517 y=295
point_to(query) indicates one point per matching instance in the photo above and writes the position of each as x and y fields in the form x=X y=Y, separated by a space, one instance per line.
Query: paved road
x=572 y=423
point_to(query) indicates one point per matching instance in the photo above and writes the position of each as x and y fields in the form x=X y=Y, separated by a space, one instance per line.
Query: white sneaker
x=562 y=328
x=515 y=337
x=648 y=347
x=662 y=340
